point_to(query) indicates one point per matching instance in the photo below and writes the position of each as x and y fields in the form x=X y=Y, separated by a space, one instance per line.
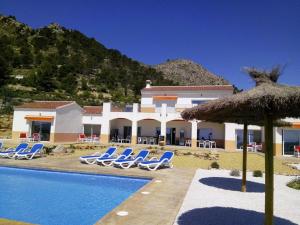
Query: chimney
x=148 y=83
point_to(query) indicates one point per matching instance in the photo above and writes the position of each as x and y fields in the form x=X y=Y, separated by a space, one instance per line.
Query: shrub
x=215 y=165
x=295 y=183
x=257 y=173
x=48 y=150
x=187 y=153
x=235 y=173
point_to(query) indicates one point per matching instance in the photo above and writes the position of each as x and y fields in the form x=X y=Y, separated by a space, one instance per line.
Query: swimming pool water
x=61 y=198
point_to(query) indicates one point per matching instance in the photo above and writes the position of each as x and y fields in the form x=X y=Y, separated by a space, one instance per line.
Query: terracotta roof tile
x=44 y=104
x=189 y=88
x=93 y=109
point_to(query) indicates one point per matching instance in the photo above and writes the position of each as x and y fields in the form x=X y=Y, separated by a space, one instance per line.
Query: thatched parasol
x=268 y=102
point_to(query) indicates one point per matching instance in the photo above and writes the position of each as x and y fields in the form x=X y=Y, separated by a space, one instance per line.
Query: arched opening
x=120 y=130
x=178 y=133
x=148 y=131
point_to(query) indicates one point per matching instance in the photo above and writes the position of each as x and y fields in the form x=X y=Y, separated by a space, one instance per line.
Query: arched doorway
x=120 y=130
x=148 y=131
x=178 y=132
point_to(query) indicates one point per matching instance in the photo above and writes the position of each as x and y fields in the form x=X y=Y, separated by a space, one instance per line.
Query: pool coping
x=167 y=194
x=78 y=172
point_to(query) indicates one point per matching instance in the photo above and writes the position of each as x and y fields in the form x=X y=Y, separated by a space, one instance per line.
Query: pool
x=61 y=198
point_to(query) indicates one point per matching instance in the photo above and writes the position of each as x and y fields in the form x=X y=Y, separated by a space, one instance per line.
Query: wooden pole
x=269 y=170
x=245 y=139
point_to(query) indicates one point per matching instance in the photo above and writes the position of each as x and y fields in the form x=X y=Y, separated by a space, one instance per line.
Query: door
x=42 y=128
x=171 y=136
x=127 y=132
x=181 y=137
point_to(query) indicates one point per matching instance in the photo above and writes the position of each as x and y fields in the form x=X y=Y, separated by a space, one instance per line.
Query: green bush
x=48 y=150
x=295 y=183
x=257 y=173
x=235 y=173
x=215 y=165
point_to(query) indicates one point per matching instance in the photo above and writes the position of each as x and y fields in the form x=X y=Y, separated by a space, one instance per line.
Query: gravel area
x=214 y=198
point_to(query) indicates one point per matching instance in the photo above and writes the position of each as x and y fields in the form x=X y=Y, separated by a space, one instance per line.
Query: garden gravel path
x=214 y=198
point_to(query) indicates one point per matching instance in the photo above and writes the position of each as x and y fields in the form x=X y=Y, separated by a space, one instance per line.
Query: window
x=290 y=139
x=128 y=108
x=198 y=102
x=204 y=134
x=253 y=136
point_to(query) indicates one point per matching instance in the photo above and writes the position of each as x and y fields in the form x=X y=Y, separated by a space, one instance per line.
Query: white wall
x=119 y=124
x=185 y=98
x=148 y=127
x=92 y=119
x=231 y=127
x=218 y=129
x=20 y=124
x=69 y=119
x=181 y=125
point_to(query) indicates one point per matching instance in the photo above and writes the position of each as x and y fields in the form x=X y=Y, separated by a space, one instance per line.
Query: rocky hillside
x=187 y=72
x=57 y=63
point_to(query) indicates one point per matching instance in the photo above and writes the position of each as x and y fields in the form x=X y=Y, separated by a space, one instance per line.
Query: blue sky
x=224 y=36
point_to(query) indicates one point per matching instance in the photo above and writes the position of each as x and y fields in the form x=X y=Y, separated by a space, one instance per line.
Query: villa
x=156 y=118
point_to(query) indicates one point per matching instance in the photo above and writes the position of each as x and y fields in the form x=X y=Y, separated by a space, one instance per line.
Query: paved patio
x=160 y=206
x=214 y=197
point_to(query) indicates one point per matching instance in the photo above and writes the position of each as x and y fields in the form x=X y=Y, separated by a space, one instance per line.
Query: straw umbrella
x=268 y=102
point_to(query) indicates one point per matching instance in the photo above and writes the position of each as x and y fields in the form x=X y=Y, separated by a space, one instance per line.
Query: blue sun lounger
x=108 y=161
x=35 y=149
x=154 y=163
x=91 y=159
x=127 y=163
x=10 y=152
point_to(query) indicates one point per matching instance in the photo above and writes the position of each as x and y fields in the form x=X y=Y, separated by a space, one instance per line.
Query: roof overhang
x=295 y=125
x=165 y=98
x=39 y=118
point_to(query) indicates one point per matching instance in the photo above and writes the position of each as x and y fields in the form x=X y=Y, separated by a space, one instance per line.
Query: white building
x=56 y=121
x=157 y=115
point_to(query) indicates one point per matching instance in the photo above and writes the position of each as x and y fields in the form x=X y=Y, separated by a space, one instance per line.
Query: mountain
x=56 y=63
x=187 y=72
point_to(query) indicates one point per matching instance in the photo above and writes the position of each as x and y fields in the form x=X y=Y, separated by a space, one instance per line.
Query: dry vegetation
x=5 y=126
x=193 y=159
x=189 y=158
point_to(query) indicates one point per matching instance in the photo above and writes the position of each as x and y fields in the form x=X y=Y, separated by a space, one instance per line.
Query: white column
x=278 y=141
x=105 y=132
x=230 y=142
x=135 y=108
x=105 y=125
x=163 y=111
x=134 y=132
x=163 y=129
x=194 y=133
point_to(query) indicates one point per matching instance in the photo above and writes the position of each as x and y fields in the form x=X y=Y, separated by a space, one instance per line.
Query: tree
x=26 y=56
x=45 y=77
x=4 y=71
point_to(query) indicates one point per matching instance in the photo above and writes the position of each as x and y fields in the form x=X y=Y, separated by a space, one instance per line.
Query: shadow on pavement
x=232 y=184
x=226 y=216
